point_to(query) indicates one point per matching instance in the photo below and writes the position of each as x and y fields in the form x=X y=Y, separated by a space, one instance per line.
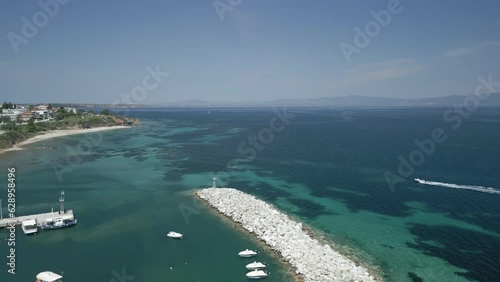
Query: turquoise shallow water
x=326 y=168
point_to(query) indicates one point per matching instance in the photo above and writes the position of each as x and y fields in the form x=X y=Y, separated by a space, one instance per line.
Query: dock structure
x=39 y=218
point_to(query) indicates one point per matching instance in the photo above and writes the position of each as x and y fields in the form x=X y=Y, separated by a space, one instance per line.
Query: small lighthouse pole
x=214 y=186
x=61 y=203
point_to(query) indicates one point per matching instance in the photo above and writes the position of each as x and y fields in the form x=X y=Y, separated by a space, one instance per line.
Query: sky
x=153 y=52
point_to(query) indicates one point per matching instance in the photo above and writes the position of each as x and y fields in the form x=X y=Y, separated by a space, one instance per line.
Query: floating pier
x=39 y=218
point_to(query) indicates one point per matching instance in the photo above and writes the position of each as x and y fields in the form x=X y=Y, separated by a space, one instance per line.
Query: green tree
x=49 y=107
x=8 y=105
x=60 y=114
x=31 y=125
x=30 y=108
x=4 y=119
x=10 y=126
x=105 y=112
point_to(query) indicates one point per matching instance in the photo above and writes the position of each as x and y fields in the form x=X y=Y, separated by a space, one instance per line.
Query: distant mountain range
x=344 y=101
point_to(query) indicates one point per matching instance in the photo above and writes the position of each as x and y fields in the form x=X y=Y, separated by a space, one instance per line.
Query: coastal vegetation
x=15 y=131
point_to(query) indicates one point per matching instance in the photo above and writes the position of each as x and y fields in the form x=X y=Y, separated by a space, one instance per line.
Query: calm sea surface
x=327 y=168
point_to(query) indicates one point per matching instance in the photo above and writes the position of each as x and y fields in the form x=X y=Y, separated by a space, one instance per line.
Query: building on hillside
x=12 y=111
x=27 y=116
x=11 y=116
x=41 y=114
x=69 y=110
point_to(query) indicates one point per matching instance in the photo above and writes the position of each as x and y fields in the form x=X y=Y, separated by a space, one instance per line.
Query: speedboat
x=175 y=235
x=247 y=253
x=57 y=223
x=48 y=276
x=29 y=227
x=256 y=265
x=421 y=181
x=257 y=274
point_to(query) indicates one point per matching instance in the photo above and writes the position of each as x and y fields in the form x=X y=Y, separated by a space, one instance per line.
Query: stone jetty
x=313 y=260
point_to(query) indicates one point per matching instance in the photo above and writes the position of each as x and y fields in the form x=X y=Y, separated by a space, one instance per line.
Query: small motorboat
x=256 y=265
x=48 y=276
x=247 y=253
x=57 y=223
x=29 y=227
x=257 y=274
x=175 y=235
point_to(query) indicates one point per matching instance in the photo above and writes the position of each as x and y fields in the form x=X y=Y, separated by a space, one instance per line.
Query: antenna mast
x=61 y=203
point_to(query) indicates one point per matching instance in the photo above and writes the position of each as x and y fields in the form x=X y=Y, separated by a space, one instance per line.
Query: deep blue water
x=326 y=168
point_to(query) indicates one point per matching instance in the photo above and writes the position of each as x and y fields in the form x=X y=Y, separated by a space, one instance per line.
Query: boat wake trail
x=456 y=186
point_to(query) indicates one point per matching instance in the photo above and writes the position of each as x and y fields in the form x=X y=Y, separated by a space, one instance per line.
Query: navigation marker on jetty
x=214 y=186
x=61 y=203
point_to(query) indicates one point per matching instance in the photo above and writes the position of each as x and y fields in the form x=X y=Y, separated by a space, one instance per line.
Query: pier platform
x=39 y=218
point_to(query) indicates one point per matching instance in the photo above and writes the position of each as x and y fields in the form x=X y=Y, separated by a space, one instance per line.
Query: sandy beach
x=59 y=133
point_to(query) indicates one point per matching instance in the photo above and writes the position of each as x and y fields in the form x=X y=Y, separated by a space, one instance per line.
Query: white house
x=68 y=110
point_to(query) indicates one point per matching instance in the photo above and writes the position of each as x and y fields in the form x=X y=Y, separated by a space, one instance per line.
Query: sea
x=348 y=173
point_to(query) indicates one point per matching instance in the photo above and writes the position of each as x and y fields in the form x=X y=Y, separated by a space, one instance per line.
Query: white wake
x=456 y=186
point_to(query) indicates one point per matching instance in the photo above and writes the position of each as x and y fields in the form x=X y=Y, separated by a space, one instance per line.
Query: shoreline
x=58 y=133
x=317 y=260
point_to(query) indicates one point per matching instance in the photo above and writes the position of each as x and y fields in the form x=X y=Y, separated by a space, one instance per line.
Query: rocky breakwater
x=313 y=260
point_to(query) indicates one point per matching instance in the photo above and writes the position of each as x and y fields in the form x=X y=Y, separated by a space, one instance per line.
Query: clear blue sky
x=95 y=51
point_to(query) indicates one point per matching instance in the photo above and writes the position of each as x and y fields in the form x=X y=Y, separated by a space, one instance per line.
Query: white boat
x=418 y=180
x=29 y=227
x=257 y=274
x=247 y=253
x=48 y=276
x=56 y=223
x=256 y=265
x=175 y=235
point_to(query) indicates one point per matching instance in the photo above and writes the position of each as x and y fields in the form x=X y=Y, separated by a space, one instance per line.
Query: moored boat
x=175 y=235
x=247 y=253
x=56 y=223
x=29 y=227
x=48 y=276
x=256 y=265
x=257 y=274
